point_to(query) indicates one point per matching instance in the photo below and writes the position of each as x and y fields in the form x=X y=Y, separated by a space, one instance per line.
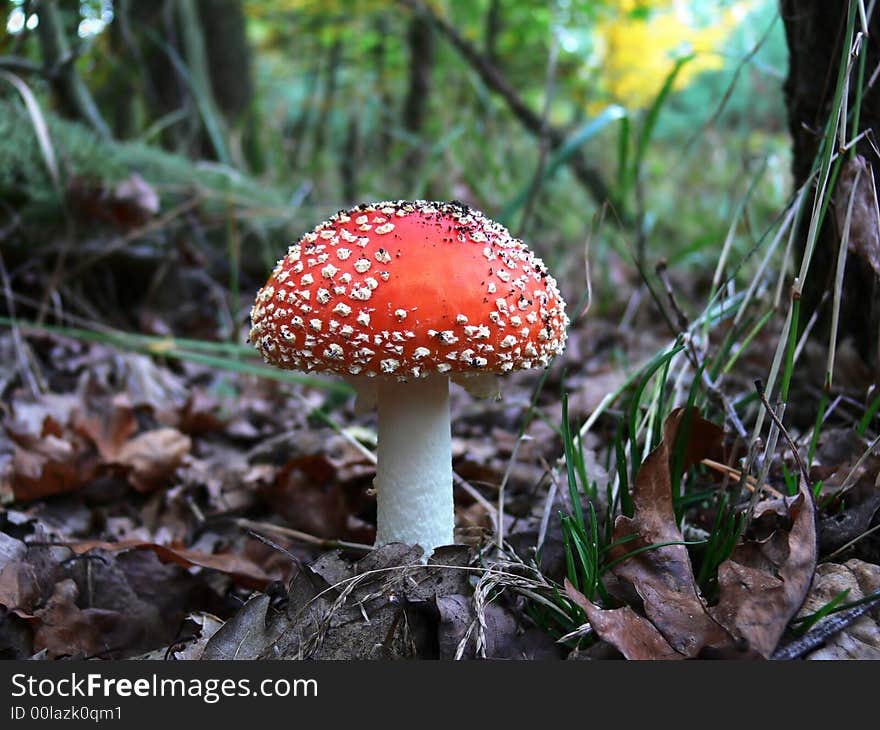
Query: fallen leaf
x=632 y=635
x=47 y=466
x=137 y=195
x=63 y=629
x=762 y=585
x=381 y=606
x=10 y=549
x=843 y=527
x=246 y=572
x=191 y=647
x=319 y=485
x=307 y=496
x=108 y=423
x=663 y=576
x=505 y=637
x=861 y=639
x=153 y=456
x=855 y=187
x=129 y=203
x=19 y=591
x=247 y=634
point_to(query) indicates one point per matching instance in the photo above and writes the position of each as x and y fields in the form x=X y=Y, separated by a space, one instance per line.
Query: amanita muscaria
x=397 y=297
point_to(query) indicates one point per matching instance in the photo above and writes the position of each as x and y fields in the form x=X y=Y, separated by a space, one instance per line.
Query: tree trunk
x=149 y=27
x=208 y=127
x=230 y=64
x=325 y=108
x=74 y=99
x=382 y=85
x=229 y=56
x=349 y=161
x=193 y=56
x=420 y=40
x=815 y=32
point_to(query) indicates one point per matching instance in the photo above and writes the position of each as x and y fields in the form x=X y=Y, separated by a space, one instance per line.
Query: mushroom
x=398 y=297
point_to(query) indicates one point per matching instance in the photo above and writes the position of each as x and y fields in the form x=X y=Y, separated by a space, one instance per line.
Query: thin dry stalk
x=777 y=421
x=749 y=482
x=838 y=279
x=771 y=249
x=41 y=129
x=844 y=548
x=324 y=543
x=850 y=479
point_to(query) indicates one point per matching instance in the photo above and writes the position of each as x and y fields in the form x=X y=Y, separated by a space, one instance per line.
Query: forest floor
x=160 y=508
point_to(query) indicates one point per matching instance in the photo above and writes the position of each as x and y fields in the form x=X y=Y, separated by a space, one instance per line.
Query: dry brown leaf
x=44 y=416
x=307 y=496
x=63 y=629
x=761 y=586
x=108 y=424
x=861 y=639
x=46 y=466
x=129 y=203
x=632 y=635
x=764 y=583
x=505 y=637
x=246 y=572
x=864 y=234
x=153 y=456
x=19 y=591
x=310 y=493
x=663 y=577
x=200 y=414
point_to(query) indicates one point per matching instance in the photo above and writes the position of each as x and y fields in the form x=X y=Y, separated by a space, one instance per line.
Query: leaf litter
x=761 y=586
x=128 y=482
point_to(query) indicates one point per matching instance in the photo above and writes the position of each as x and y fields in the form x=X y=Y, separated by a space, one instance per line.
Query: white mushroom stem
x=414 y=470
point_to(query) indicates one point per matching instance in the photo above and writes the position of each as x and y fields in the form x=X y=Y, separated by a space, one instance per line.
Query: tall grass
x=706 y=354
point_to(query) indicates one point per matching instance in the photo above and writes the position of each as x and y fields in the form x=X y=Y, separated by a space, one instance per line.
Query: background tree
x=815 y=32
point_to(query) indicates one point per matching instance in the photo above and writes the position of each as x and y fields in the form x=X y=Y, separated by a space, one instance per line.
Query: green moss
x=25 y=180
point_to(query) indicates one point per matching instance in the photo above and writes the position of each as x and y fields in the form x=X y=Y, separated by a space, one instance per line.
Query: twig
x=24 y=366
x=545 y=143
x=275 y=546
x=750 y=482
x=19 y=65
x=759 y=387
x=681 y=318
x=852 y=542
x=325 y=543
x=826 y=629
x=586 y=174
x=467 y=487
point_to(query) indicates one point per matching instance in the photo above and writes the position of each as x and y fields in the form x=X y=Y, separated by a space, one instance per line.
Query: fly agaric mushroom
x=398 y=297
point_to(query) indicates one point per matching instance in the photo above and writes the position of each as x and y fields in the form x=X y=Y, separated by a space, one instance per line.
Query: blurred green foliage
x=332 y=79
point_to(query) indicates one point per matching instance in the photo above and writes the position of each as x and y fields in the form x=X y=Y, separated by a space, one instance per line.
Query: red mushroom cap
x=408 y=288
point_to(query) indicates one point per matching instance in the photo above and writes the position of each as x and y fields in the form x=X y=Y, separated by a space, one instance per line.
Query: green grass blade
x=168 y=347
x=562 y=154
x=862 y=428
x=653 y=115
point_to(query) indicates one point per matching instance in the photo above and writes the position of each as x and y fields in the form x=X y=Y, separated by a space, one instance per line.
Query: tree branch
x=59 y=68
x=19 y=65
x=586 y=174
